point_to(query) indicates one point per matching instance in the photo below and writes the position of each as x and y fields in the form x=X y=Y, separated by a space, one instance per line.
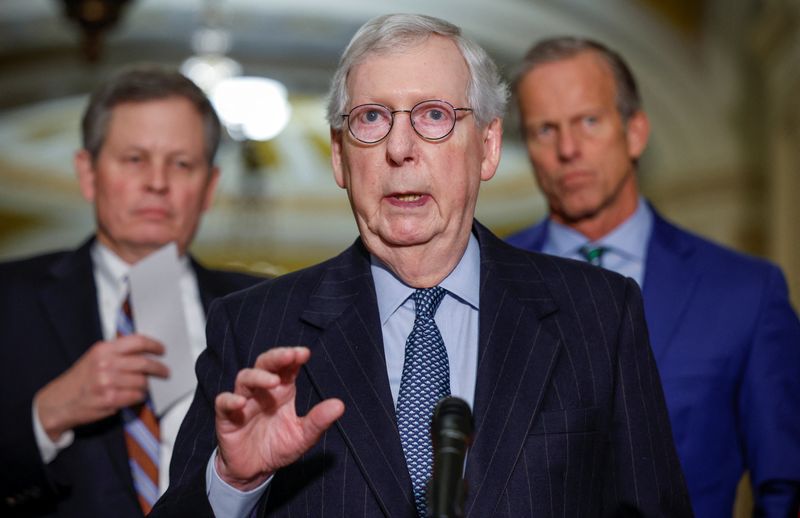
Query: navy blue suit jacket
x=727 y=344
x=48 y=319
x=569 y=413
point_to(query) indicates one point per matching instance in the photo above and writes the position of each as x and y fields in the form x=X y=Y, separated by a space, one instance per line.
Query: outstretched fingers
x=284 y=361
x=248 y=381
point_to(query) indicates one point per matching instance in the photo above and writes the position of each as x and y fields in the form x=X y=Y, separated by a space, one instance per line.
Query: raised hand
x=258 y=429
x=109 y=376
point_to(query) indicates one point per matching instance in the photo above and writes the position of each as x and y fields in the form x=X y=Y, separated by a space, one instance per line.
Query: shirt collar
x=111 y=269
x=627 y=239
x=463 y=282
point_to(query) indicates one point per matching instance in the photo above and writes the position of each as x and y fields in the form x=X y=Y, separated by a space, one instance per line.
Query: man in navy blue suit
x=71 y=381
x=552 y=355
x=724 y=335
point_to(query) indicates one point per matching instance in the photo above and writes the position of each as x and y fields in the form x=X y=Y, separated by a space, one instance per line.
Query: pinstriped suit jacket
x=569 y=413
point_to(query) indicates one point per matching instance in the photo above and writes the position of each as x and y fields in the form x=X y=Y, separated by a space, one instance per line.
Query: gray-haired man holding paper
x=85 y=432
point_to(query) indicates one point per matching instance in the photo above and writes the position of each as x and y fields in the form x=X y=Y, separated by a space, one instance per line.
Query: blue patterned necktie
x=426 y=380
x=142 y=436
x=593 y=254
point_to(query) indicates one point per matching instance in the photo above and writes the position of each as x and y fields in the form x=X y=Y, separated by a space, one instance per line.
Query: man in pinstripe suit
x=552 y=354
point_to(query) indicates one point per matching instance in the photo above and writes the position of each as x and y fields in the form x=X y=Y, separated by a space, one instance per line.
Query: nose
x=568 y=144
x=401 y=141
x=157 y=177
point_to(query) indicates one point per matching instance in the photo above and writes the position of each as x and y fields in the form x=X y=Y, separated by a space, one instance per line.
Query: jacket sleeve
x=644 y=476
x=769 y=402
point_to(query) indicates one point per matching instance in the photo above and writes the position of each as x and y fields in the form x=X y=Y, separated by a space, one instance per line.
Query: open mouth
x=407 y=197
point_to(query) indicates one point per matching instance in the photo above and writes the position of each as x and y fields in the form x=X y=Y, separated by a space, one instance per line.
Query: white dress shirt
x=110 y=276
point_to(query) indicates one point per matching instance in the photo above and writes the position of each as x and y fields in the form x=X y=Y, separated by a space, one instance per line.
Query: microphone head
x=453 y=418
x=451 y=431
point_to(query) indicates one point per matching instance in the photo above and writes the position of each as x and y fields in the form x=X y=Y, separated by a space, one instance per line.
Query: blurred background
x=719 y=81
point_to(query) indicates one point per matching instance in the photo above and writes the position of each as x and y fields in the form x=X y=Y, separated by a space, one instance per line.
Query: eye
x=436 y=115
x=544 y=131
x=433 y=114
x=371 y=116
x=183 y=164
x=590 y=121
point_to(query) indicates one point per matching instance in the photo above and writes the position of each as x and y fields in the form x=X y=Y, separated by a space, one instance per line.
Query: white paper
x=157 y=308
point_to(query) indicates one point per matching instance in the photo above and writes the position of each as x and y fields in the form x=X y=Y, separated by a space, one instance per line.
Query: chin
x=156 y=241
x=409 y=237
x=579 y=211
x=402 y=240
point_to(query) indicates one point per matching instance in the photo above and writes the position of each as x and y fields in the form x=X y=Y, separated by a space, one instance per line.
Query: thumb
x=320 y=418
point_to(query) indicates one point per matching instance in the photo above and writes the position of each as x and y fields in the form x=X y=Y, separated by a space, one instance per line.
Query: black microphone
x=452 y=434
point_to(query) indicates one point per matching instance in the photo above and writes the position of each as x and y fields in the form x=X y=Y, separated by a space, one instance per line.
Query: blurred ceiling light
x=251 y=108
x=254 y=108
x=208 y=70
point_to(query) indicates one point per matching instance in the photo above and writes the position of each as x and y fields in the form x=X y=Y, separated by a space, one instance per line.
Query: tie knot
x=593 y=254
x=427 y=301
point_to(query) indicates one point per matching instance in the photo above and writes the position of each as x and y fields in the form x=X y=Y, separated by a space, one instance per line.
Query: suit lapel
x=211 y=284
x=205 y=285
x=517 y=351
x=538 y=236
x=348 y=362
x=670 y=279
x=70 y=303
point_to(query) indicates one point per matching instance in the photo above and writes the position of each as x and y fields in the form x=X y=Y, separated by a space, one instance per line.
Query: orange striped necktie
x=142 y=437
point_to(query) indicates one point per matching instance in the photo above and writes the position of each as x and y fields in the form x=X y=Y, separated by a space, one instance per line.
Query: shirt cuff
x=225 y=499
x=47 y=448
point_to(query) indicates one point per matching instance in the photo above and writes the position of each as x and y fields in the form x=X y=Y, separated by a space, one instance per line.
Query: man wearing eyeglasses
x=552 y=355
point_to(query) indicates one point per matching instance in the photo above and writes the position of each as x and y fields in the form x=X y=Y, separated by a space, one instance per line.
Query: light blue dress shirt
x=626 y=245
x=457 y=320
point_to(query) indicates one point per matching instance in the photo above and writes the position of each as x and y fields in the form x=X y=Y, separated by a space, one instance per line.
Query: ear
x=211 y=187
x=337 y=158
x=84 y=169
x=638 y=132
x=492 y=147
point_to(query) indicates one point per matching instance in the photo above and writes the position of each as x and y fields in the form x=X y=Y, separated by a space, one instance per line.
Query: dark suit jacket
x=569 y=414
x=48 y=319
x=727 y=344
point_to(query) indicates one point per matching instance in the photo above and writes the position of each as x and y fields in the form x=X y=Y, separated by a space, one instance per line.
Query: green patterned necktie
x=593 y=254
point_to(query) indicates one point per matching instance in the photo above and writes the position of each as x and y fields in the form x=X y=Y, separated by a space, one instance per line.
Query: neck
x=603 y=221
x=420 y=266
x=130 y=254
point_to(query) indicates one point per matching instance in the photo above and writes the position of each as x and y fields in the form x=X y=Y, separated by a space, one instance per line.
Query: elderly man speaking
x=552 y=355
